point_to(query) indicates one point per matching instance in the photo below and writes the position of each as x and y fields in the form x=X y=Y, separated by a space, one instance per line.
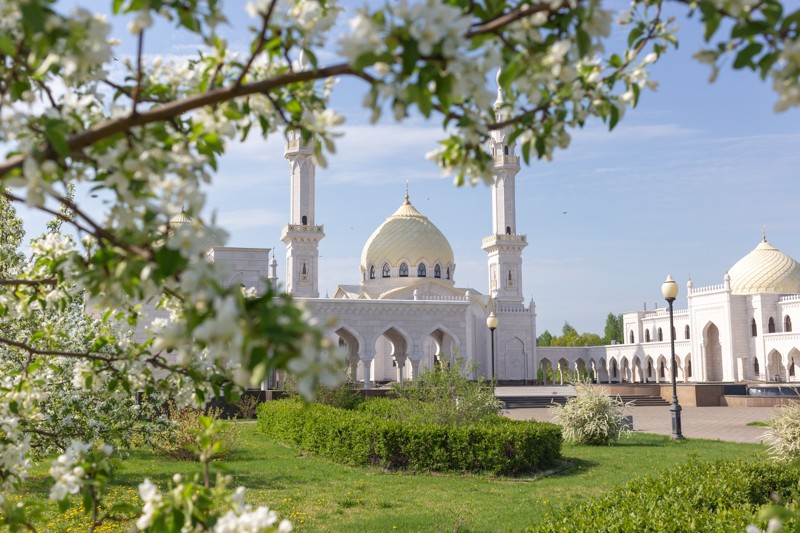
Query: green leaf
x=584 y=42
x=613 y=117
x=56 y=134
x=745 y=56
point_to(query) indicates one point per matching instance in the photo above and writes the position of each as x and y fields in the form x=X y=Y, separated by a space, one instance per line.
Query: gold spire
x=407 y=201
x=764 y=233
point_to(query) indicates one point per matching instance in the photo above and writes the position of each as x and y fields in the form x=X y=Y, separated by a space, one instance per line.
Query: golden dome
x=407 y=237
x=765 y=269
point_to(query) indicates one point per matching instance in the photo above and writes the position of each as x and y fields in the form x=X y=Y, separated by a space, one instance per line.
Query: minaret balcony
x=504 y=240
x=503 y=160
x=295 y=146
x=302 y=233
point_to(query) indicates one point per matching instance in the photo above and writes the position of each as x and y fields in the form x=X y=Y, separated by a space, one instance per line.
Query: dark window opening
x=387 y=272
x=505 y=149
x=686 y=332
x=403 y=270
x=372 y=272
x=421 y=271
x=631 y=337
x=304 y=269
x=647 y=335
x=753 y=331
x=305 y=220
x=437 y=271
x=448 y=272
x=508 y=230
x=660 y=335
x=771 y=325
x=787 y=324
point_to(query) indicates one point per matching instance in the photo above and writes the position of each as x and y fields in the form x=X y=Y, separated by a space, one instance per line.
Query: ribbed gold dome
x=765 y=269
x=407 y=237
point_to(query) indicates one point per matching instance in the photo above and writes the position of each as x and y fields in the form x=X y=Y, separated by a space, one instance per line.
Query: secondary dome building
x=738 y=330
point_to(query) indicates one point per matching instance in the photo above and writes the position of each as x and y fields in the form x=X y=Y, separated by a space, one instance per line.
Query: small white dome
x=407 y=237
x=765 y=269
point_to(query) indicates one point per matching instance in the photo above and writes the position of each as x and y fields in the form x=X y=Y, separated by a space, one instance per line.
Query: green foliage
x=592 y=417
x=783 y=433
x=359 y=438
x=697 y=496
x=569 y=337
x=190 y=435
x=444 y=396
x=246 y=406
x=613 y=330
x=344 y=396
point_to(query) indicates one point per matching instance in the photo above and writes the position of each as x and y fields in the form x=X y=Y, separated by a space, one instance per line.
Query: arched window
x=753 y=331
x=372 y=272
x=448 y=273
x=437 y=271
x=771 y=325
x=755 y=365
x=614 y=367
x=791 y=367
x=631 y=337
x=505 y=149
x=787 y=324
x=403 y=270
x=660 y=335
x=688 y=368
x=304 y=271
x=305 y=220
x=508 y=230
x=421 y=271
x=686 y=332
x=387 y=271
x=661 y=368
x=647 y=335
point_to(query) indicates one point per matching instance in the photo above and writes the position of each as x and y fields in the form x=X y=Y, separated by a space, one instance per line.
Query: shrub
x=697 y=496
x=783 y=434
x=444 y=395
x=179 y=439
x=592 y=417
x=246 y=406
x=345 y=396
x=502 y=446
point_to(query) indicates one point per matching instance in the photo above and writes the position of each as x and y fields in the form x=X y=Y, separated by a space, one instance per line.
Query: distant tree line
x=570 y=336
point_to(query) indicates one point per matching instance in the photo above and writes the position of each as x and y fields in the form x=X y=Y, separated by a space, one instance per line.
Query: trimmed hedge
x=505 y=446
x=697 y=496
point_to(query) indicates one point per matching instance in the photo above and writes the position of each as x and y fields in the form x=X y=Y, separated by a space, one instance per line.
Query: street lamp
x=491 y=323
x=670 y=291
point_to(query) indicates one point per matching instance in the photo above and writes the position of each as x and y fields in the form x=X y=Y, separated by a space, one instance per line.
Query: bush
x=783 y=434
x=697 y=496
x=592 y=417
x=444 y=396
x=179 y=439
x=345 y=396
x=360 y=438
x=246 y=406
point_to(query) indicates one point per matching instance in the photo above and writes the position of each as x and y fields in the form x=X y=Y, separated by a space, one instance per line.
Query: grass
x=758 y=423
x=318 y=495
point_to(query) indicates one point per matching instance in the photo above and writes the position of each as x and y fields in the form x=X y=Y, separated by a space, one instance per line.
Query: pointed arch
x=649 y=370
x=631 y=336
x=437 y=271
x=399 y=338
x=686 y=332
x=771 y=325
x=403 y=272
x=774 y=366
x=545 y=373
x=372 y=272
x=712 y=351
x=422 y=270
x=455 y=343
x=753 y=328
x=660 y=335
x=647 y=335
x=787 y=324
x=386 y=272
x=514 y=355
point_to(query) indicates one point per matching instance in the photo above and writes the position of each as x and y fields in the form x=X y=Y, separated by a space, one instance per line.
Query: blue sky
x=682 y=186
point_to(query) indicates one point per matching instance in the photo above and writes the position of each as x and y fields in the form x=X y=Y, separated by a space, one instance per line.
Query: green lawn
x=318 y=495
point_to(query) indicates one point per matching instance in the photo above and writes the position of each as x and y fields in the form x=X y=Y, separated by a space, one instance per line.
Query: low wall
x=689 y=394
x=756 y=401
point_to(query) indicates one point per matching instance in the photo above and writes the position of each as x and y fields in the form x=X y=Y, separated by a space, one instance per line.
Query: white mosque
x=406 y=313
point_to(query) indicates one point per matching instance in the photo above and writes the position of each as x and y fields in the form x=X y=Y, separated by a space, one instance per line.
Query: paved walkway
x=716 y=423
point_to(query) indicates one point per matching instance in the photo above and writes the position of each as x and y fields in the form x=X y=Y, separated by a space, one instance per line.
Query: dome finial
x=407 y=200
x=500 y=100
x=764 y=233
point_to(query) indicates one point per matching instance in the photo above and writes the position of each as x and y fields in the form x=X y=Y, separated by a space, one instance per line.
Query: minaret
x=504 y=246
x=301 y=236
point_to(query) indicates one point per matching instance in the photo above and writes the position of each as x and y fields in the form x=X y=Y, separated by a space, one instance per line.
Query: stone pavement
x=715 y=423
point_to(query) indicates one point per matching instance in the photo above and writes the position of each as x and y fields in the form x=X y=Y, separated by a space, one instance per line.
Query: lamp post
x=670 y=291
x=491 y=323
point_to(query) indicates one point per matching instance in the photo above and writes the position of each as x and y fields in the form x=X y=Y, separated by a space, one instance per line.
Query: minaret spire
x=301 y=235
x=764 y=233
x=505 y=245
x=407 y=200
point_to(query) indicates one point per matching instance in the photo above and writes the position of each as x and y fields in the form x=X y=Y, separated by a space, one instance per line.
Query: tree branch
x=519 y=12
x=159 y=113
x=29 y=282
x=55 y=353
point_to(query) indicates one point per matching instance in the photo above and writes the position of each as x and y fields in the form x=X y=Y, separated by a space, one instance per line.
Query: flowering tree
x=149 y=138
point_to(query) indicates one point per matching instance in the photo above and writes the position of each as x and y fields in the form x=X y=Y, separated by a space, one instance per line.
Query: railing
x=441 y=298
x=502 y=159
x=513 y=309
x=790 y=298
x=661 y=313
x=709 y=288
x=505 y=237
x=306 y=228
